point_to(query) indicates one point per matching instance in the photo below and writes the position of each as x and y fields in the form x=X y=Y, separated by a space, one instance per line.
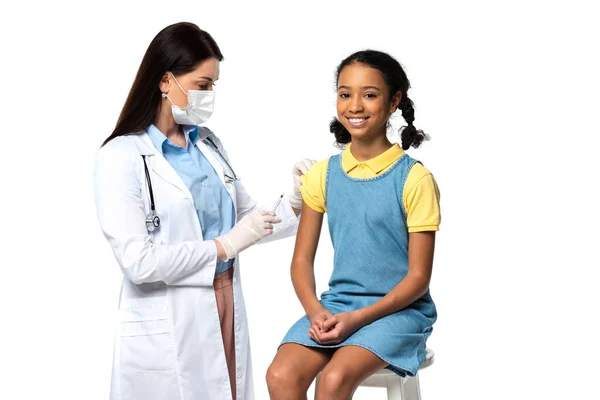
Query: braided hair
x=396 y=80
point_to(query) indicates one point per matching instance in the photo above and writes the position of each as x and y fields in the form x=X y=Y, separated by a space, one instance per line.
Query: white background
x=509 y=93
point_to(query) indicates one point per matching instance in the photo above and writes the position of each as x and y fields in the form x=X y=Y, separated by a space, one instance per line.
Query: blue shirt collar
x=159 y=140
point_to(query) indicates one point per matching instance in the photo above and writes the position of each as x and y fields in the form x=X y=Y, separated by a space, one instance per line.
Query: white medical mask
x=199 y=108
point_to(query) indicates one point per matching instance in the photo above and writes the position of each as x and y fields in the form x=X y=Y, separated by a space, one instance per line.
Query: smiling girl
x=383 y=212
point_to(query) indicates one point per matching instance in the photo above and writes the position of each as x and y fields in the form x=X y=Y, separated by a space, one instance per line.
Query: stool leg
x=394 y=388
x=410 y=388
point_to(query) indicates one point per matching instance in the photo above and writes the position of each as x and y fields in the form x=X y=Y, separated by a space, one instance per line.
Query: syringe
x=277 y=203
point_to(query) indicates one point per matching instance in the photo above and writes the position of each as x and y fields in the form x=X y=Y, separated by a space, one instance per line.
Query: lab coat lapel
x=158 y=164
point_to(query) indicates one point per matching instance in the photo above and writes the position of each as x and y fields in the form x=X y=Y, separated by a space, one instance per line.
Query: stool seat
x=380 y=378
x=398 y=388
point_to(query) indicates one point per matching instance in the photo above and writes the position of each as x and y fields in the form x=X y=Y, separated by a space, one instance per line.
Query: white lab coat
x=168 y=344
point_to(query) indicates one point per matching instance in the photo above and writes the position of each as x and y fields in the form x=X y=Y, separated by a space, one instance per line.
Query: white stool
x=398 y=388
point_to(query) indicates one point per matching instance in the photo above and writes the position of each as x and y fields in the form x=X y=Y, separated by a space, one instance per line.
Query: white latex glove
x=300 y=168
x=249 y=230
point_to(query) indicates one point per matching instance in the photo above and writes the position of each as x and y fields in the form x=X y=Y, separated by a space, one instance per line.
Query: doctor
x=176 y=216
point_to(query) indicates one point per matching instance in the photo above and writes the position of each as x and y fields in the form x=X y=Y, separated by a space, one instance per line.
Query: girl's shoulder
x=318 y=171
x=418 y=171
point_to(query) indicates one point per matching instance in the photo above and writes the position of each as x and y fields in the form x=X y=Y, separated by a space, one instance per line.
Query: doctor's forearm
x=188 y=263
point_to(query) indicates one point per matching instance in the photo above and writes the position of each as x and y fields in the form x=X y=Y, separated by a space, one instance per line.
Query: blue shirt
x=213 y=203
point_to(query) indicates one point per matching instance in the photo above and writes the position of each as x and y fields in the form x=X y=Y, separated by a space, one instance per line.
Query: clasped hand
x=327 y=328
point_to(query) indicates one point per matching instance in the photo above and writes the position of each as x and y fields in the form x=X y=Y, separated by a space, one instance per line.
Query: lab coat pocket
x=147 y=352
x=149 y=385
x=146 y=337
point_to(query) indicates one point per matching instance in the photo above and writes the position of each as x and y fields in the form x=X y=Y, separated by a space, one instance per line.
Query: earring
x=164 y=94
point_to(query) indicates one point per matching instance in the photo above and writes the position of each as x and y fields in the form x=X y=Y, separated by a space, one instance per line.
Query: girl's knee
x=275 y=376
x=336 y=380
x=282 y=377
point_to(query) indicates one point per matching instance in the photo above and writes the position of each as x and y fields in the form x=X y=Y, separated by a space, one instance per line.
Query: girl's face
x=363 y=103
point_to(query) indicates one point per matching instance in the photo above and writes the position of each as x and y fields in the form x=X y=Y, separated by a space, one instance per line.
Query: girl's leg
x=348 y=367
x=293 y=369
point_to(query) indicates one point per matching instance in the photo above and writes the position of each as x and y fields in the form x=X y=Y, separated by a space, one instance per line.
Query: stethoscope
x=227 y=178
x=152 y=219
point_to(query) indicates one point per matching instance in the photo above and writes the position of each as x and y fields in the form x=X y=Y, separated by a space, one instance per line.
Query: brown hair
x=178 y=48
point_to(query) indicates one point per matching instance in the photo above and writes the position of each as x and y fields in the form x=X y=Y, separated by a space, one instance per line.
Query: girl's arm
x=302 y=270
x=412 y=287
x=420 y=262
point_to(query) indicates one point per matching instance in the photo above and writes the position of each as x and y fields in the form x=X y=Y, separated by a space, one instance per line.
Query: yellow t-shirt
x=421 y=195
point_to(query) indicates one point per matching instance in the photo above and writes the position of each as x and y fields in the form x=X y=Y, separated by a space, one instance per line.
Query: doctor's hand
x=300 y=168
x=249 y=230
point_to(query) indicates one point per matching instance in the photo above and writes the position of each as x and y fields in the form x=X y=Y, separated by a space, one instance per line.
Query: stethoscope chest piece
x=152 y=221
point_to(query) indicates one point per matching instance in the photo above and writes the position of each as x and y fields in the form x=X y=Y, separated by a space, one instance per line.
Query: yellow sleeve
x=421 y=200
x=313 y=186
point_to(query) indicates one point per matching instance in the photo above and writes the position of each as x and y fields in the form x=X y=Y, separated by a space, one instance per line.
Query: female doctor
x=176 y=217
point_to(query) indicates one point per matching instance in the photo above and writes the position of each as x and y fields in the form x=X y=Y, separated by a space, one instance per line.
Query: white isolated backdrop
x=507 y=90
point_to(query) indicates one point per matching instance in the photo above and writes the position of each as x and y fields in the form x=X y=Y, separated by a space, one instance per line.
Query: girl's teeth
x=356 y=120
